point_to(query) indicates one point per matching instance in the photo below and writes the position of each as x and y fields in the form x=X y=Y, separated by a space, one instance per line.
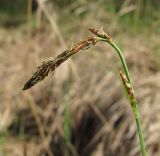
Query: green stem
x=122 y=60
x=134 y=105
x=139 y=128
x=119 y=52
x=132 y=102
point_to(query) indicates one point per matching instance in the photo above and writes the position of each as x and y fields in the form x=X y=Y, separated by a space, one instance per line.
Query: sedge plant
x=49 y=65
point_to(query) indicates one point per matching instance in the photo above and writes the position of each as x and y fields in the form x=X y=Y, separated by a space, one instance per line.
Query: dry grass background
x=102 y=122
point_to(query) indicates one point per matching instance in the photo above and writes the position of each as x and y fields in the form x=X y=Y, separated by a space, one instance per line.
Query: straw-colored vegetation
x=102 y=123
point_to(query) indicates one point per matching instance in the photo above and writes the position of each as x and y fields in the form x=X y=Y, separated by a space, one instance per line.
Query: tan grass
x=96 y=102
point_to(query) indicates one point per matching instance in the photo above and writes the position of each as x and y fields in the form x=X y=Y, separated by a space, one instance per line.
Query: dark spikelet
x=45 y=69
x=51 y=64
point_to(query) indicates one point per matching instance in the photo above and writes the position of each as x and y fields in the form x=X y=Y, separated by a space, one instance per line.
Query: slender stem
x=119 y=52
x=132 y=101
x=139 y=128
x=122 y=60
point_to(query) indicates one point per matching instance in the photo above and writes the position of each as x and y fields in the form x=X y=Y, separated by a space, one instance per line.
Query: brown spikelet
x=100 y=33
x=51 y=64
x=127 y=85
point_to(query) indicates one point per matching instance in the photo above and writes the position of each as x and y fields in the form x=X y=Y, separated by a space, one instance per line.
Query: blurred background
x=81 y=109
